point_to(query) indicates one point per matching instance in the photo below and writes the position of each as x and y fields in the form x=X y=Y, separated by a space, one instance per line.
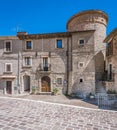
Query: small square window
x=81 y=64
x=59 y=43
x=81 y=42
x=28 y=45
x=81 y=80
x=59 y=80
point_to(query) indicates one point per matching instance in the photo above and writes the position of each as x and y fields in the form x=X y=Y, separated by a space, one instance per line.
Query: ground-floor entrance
x=45 y=84
x=26 y=79
x=9 y=87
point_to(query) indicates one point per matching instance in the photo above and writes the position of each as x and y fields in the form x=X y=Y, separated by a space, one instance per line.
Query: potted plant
x=34 y=90
x=55 y=91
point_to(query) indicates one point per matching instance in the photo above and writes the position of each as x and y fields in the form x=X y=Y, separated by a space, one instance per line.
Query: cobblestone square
x=24 y=114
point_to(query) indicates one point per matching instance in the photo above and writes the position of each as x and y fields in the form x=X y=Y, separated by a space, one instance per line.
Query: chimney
x=21 y=33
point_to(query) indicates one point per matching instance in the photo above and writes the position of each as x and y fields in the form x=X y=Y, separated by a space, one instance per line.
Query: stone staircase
x=100 y=88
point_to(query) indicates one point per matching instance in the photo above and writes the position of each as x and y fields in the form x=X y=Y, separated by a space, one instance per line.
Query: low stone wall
x=109 y=85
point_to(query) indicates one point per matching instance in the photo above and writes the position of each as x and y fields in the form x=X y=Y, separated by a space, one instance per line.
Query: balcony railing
x=44 y=67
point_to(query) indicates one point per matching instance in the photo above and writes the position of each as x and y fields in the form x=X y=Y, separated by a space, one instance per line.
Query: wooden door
x=9 y=87
x=45 y=84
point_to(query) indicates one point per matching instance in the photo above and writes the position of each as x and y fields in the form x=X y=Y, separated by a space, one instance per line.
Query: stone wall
x=92 y=53
x=111 y=84
x=83 y=54
x=76 y=64
x=12 y=58
x=57 y=59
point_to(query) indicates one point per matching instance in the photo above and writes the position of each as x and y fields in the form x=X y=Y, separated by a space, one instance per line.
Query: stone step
x=45 y=93
x=100 y=88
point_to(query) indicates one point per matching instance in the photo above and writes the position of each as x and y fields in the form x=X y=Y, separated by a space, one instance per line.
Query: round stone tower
x=87 y=20
x=90 y=20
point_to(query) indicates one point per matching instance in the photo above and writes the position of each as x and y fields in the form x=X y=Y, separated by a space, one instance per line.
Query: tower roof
x=88 y=12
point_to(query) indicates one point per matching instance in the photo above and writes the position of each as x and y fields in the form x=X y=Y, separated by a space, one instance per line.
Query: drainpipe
x=18 y=81
x=68 y=66
x=67 y=54
x=42 y=44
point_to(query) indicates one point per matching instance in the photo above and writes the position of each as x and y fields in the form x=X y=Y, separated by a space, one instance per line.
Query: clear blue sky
x=46 y=16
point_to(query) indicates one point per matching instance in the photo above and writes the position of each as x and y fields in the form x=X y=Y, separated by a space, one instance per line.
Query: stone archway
x=26 y=79
x=45 y=84
x=99 y=65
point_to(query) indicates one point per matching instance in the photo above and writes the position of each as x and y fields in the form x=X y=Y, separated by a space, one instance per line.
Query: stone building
x=72 y=61
x=111 y=61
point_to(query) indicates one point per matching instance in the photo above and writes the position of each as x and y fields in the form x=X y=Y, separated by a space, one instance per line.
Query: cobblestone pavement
x=62 y=99
x=24 y=114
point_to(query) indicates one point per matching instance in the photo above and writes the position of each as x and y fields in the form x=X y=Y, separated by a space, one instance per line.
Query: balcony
x=44 y=68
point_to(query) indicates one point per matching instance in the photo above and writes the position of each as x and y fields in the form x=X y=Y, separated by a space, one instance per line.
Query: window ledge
x=28 y=49
x=81 y=45
x=27 y=66
x=7 y=52
x=8 y=72
x=59 y=48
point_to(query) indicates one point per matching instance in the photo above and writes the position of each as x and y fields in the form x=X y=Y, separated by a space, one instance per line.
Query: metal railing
x=107 y=101
x=46 y=67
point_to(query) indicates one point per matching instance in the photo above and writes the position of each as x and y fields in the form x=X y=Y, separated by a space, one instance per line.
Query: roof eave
x=110 y=36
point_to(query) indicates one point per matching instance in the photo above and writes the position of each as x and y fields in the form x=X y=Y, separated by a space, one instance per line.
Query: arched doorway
x=45 y=84
x=26 y=79
x=99 y=65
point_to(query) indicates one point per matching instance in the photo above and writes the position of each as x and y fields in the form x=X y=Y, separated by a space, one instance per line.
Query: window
x=81 y=80
x=8 y=67
x=81 y=64
x=45 y=61
x=59 y=80
x=28 y=45
x=8 y=46
x=59 y=43
x=81 y=42
x=110 y=71
x=27 y=61
x=45 y=64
